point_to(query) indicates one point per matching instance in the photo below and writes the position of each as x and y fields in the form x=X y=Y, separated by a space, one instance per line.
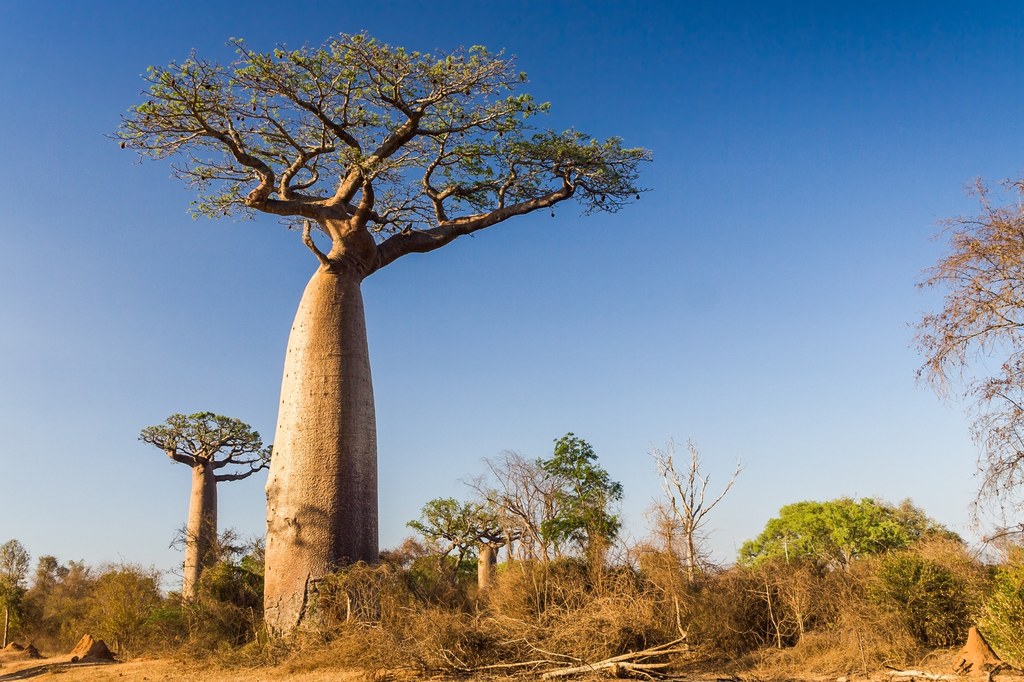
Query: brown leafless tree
x=683 y=514
x=975 y=343
x=523 y=497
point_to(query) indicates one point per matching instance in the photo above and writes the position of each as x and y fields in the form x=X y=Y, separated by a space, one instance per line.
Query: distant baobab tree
x=384 y=152
x=218 y=449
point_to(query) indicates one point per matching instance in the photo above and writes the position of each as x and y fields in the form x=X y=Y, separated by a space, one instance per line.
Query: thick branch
x=238 y=476
x=423 y=241
x=182 y=458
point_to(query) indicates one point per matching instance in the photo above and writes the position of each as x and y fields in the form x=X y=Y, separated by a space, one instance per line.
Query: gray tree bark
x=486 y=566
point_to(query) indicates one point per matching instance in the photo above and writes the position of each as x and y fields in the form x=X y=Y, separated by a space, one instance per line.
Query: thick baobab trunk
x=201 y=531
x=486 y=566
x=322 y=489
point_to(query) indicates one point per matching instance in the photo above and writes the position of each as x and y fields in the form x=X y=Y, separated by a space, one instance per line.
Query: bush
x=727 y=613
x=930 y=599
x=359 y=595
x=121 y=608
x=1003 y=612
x=228 y=609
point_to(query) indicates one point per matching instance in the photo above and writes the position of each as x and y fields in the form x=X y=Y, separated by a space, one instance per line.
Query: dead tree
x=685 y=509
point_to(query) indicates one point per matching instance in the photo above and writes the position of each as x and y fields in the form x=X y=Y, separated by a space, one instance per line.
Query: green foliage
x=585 y=496
x=56 y=603
x=205 y=437
x=453 y=524
x=1003 y=612
x=121 y=608
x=228 y=610
x=14 y=561
x=836 y=532
x=286 y=124
x=929 y=598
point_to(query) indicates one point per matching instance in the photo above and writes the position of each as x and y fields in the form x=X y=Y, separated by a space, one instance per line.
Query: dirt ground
x=160 y=669
x=167 y=670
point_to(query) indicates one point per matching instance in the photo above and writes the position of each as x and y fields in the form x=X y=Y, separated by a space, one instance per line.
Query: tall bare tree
x=218 y=449
x=386 y=152
x=524 y=499
x=685 y=509
x=975 y=342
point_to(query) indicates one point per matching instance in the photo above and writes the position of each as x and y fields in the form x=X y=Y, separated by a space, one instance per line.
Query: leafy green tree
x=585 y=497
x=451 y=525
x=931 y=600
x=217 y=449
x=836 y=532
x=121 y=607
x=14 y=559
x=464 y=528
x=1003 y=612
x=46 y=581
x=384 y=152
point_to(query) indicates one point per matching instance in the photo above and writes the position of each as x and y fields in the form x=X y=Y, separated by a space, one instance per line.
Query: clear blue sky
x=758 y=300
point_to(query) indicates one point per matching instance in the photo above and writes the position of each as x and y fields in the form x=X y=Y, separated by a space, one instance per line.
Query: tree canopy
x=585 y=495
x=212 y=439
x=415 y=148
x=14 y=560
x=459 y=526
x=836 y=532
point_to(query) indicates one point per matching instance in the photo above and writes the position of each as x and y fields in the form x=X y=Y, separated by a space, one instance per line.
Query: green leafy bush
x=930 y=600
x=1002 y=619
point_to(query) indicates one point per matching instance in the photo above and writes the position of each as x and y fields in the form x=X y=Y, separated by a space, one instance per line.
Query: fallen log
x=632 y=662
x=924 y=675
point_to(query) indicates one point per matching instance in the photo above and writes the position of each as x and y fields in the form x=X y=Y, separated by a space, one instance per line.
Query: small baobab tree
x=464 y=528
x=218 y=449
x=381 y=153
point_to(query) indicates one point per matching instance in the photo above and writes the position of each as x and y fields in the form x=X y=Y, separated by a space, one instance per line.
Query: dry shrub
x=726 y=613
x=627 y=618
x=427 y=638
x=370 y=617
x=527 y=590
x=850 y=633
x=228 y=610
x=935 y=590
x=517 y=590
x=359 y=595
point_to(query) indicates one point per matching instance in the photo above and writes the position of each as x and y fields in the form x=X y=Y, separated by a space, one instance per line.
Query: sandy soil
x=162 y=669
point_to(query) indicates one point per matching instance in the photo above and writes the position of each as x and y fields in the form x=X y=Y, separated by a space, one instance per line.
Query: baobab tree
x=464 y=527
x=218 y=449
x=384 y=152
